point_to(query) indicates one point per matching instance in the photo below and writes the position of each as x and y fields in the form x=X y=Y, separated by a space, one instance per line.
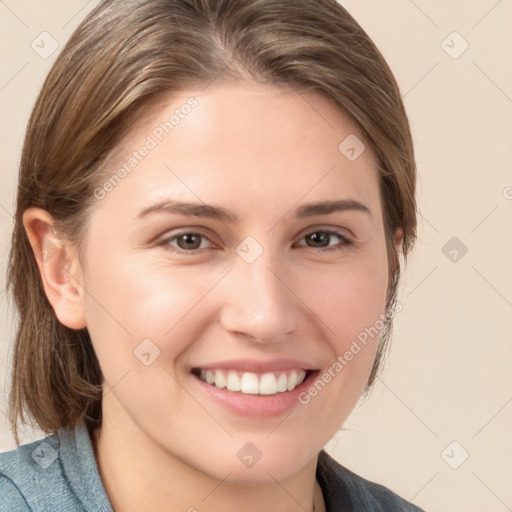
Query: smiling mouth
x=250 y=383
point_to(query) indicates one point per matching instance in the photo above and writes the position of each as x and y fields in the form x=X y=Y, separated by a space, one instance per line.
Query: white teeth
x=220 y=379
x=249 y=384
x=233 y=382
x=268 y=384
x=253 y=384
x=292 y=380
x=282 y=383
x=210 y=377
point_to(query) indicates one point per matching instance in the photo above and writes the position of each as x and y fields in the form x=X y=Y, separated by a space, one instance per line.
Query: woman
x=213 y=198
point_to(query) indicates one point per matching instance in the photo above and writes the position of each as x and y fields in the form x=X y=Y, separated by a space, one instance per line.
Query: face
x=208 y=265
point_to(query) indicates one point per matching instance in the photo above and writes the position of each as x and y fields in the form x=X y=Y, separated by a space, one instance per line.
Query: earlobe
x=59 y=266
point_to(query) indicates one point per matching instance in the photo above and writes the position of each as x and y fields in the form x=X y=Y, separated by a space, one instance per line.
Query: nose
x=258 y=302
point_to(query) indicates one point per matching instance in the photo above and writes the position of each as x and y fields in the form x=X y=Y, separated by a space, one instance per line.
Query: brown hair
x=127 y=54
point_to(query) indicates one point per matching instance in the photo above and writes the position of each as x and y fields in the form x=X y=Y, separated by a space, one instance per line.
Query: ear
x=60 y=268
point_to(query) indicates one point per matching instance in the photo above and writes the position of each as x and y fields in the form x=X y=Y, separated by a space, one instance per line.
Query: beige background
x=448 y=377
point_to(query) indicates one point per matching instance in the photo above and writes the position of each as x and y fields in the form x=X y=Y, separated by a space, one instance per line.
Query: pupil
x=189 y=238
x=319 y=239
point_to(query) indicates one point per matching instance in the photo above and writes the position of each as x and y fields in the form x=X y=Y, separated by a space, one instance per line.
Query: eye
x=188 y=242
x=322 y=239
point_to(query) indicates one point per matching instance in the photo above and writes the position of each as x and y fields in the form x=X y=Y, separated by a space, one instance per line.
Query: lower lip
x=256 y=406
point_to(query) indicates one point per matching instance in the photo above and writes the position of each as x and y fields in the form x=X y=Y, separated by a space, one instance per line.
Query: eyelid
x=322 y=227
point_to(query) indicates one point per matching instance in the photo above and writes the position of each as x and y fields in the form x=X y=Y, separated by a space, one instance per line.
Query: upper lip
x=255 y=366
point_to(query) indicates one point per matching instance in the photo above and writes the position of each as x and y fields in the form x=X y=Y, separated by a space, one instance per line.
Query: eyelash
x=165 y=242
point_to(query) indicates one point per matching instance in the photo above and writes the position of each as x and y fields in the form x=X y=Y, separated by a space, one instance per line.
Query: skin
x=259 y=151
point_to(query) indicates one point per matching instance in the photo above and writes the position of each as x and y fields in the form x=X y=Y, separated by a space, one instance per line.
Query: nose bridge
x=257 y=302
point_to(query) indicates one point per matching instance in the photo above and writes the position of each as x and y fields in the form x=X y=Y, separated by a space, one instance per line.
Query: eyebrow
x=220 y=213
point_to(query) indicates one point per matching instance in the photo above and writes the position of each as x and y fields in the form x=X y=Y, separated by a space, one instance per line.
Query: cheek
x=129 y=300
x=350 y=301
x=348 y=298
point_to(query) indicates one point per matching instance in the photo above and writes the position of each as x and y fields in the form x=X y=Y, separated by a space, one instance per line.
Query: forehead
x=254 y=142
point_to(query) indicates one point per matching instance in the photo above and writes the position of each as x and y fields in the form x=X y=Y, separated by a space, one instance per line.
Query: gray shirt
x=59 y=474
